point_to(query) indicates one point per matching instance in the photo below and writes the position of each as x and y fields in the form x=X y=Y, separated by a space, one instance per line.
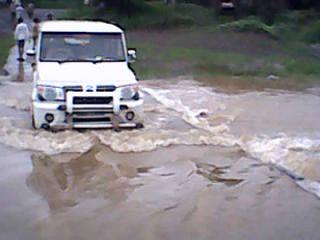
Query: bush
x=161 y=15
x=151 y=15
x=154 y=21
x=128 y=7
x=296 y=17
x=250 y=24
x=58 y=3
x=311 y=33
x=199 y=15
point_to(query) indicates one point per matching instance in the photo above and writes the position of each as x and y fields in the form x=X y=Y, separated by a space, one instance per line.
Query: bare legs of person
x=21 y=49
x=34 y=42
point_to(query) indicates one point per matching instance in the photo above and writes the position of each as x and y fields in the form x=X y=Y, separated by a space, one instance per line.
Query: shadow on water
x=65 y=184
x=58 y=182
x=66 y=181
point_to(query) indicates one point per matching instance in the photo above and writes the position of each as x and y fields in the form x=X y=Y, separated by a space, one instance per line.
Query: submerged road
x=208 y=165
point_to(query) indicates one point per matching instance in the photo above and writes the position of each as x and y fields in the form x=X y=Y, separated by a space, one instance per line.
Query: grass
x=294 y=65
x=291 y=59
x=6 y=42
x=290 y=26
x=250 y=24
x=227 y=70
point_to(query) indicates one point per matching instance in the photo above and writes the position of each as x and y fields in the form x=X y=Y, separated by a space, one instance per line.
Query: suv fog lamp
x=49 y=117
x=130 y=116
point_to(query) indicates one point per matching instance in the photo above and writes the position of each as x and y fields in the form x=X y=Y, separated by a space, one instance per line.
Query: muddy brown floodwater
x=207 y=165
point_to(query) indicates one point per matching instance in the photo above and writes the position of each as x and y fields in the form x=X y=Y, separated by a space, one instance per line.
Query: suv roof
x=79 y=26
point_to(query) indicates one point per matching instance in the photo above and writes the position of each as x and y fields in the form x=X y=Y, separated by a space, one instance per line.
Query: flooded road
x=207 y=165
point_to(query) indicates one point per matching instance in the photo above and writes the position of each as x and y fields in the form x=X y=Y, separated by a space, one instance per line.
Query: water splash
x=208 y=116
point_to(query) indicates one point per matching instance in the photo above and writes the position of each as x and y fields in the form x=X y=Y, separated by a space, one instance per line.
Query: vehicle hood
x=80 y=73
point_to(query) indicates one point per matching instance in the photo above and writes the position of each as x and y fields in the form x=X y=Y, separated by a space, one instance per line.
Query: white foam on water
x=280 y=150
x=296 y=154
x=189 y=115
x=310 y=186
x=43 y=141
x=292 y=153
x=144 y=141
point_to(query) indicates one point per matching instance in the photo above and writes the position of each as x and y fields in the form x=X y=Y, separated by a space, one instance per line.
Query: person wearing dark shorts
x=21 y=35
x=21 y=44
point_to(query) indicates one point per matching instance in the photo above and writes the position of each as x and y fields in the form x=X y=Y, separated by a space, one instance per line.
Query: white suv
x=83 y=79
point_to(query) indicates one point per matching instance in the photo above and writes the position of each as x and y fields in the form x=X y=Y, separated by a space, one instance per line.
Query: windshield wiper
x=73 y=60
x=99 y=60
x=106 y=59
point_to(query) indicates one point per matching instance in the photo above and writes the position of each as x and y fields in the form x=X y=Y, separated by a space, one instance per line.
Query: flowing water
x=206 y=159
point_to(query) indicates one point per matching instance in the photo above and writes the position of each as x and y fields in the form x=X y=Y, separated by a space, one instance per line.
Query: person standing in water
x=21 y=35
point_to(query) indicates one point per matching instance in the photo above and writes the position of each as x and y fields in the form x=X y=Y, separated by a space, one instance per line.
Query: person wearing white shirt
x=16 y=1
x=19 y=11
x=21 y=35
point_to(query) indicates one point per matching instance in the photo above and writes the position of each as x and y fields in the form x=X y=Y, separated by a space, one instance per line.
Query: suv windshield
x=64 y=47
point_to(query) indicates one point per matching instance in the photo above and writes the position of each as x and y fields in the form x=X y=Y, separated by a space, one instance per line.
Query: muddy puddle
x=204 y=160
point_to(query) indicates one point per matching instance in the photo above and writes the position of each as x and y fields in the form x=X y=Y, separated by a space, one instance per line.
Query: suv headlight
x=48 y=93
x=130 y=92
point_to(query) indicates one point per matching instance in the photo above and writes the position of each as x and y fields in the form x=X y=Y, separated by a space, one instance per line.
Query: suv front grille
x=72 y=89
x=88 y=120
x=100 y=88
x=92 y=100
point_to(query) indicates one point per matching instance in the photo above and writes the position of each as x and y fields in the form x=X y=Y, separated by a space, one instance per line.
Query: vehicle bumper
x=93 y=116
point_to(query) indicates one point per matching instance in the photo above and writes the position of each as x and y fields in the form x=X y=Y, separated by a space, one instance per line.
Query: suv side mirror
x=132 y=55
x=31 y=53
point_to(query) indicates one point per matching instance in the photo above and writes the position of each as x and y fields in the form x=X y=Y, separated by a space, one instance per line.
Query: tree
x=128 y=7
x=170 y=2
x=304 y=4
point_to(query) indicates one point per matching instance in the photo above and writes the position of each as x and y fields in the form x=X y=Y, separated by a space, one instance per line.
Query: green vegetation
x=154 y=15
x=250 y=24
x=220 y=55
x=5 y=44
x=58 y=3
x=311 y=32
x=288 y=26
x=192 y=37
x=201 y=61
x=302 y=25
x=229 y=69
